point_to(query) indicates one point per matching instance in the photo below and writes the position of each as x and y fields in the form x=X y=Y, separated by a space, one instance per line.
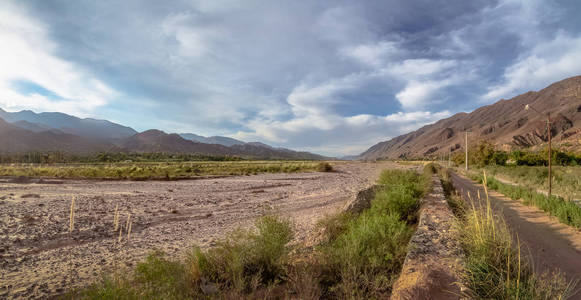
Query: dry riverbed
x=39 y=258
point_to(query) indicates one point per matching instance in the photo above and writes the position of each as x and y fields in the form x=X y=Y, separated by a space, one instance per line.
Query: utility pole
x=466 y=160
x=527 y=107
x=550 y=150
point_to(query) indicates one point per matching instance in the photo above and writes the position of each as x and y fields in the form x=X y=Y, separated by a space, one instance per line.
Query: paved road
x=552 y=245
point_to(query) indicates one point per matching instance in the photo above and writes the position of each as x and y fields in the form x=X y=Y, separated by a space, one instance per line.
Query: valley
x=40 y=257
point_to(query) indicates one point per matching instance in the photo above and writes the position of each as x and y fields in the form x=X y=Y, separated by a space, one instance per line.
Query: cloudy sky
x=332 y=77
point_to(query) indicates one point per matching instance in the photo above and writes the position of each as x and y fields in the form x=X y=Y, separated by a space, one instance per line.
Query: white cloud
x=416 y=93
x=374 y=55
x=413 y=69
x=26 y=54
x=544 y=64
x=341 y=135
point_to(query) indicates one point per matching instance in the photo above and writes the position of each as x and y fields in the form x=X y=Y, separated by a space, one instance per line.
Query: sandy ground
x=39 y=258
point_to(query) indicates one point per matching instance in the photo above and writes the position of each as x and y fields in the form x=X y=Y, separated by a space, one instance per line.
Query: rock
x=209 y=288
x=362 y=201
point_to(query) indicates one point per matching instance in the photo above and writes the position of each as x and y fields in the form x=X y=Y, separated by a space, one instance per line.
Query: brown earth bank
x=39 y=258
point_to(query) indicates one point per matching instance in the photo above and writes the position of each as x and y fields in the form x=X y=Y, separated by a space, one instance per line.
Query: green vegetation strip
x=365 y=254
x=495 y=266
x=360 y=258
x=566 y=180
x=167 y=171
x=566 y=211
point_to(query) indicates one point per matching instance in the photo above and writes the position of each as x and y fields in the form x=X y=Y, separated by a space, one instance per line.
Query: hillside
x=504 y=123
x=89 y=128
x=220 y=140
x=159 y=141
x=15 y=139
x=27 y=131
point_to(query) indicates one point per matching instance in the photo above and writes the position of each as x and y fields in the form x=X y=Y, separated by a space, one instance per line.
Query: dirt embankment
x=39 y=258
x=433 y=265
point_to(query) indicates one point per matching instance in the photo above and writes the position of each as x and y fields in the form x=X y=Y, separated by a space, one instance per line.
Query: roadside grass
x=162 y=171
x=566 y=180
x=365 y=253
x=361 y=257
x=566 y=211
x=495 y=265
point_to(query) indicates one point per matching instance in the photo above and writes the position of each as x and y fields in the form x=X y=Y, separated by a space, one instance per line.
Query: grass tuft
x=246 y=259
x=567 y=212
x=495 y=268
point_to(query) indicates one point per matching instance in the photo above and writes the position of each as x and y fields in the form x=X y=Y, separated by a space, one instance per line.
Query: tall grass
x=567 y=212
x=164 y=171
x=241 y=264
x=247 y=260
x=566 y=180
x=495 y=265
x=366 y=254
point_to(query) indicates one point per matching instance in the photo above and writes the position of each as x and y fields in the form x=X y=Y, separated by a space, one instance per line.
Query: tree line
x=484 y=153
x=49 y=157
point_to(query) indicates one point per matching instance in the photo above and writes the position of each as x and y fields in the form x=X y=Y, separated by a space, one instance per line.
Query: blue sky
x=333 y=77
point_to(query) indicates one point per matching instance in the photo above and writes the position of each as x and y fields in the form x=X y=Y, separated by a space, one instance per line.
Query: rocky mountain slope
x=505 y=123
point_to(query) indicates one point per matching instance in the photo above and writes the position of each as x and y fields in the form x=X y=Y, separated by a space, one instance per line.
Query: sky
x=328 y=76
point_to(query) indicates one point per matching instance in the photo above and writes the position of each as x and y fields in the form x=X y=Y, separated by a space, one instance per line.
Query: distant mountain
x=26 y=131
x=31 y=126
x=15 y=139
x=253 y=149
x=349 y=157
x=504 y=123
x=263 y=150
x=159 y=141
x=220 y=140
x=88 y=128
x=259 y=144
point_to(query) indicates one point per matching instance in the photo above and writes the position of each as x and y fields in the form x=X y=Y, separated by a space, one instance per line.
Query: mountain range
x=27 y=131
x=89 y=128
x=220 y=140
x=505 y=123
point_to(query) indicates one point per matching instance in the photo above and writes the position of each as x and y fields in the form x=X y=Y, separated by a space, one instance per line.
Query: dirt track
x=552 y=245
x=38 y=257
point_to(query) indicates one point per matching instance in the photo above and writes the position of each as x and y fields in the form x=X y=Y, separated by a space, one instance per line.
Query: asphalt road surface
x=552 y=245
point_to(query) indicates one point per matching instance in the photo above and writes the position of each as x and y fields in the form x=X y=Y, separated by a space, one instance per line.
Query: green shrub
x=368 y=256
x=324 y=167
x=243 y=262
x=334 y=225
x=246 y=259
x=367 y=252
x=155 y=278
